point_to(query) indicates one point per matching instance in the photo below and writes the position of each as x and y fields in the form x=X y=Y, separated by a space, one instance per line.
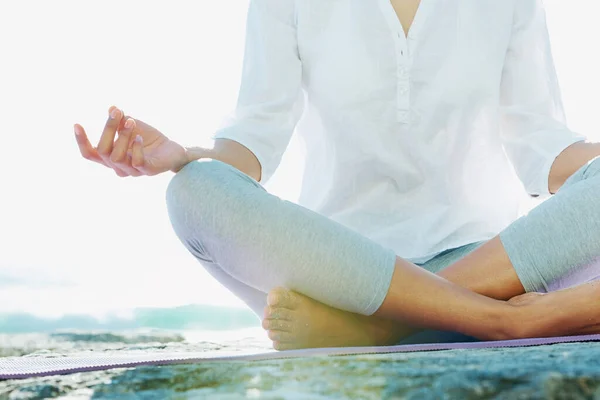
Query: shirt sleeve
x=270 y=100
x=533 y=125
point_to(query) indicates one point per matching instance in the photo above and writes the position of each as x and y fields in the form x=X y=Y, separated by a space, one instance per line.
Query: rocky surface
x=23 y=344
x=565 y=371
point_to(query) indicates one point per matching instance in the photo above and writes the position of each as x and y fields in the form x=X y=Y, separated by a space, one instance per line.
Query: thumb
x=128 y=128
x=122 y=122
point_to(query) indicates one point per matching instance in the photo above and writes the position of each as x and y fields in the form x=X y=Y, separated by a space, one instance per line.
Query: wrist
x=189 y=155
x=183 y=160
x=196 y=153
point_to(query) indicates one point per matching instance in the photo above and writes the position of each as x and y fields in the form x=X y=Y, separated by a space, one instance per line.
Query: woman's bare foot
x=294 y=321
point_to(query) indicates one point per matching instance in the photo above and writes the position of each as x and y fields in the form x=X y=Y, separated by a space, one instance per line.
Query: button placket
x=404 y=53
x=402 y=81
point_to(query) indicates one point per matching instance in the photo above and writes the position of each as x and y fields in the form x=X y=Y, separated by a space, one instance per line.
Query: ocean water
x=40 y=318
x=76 y=342
x=195 y=317
x=185 y=328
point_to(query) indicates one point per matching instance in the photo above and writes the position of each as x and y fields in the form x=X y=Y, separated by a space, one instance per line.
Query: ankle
x=386 y=332
x=518 y=322
x=503 y=322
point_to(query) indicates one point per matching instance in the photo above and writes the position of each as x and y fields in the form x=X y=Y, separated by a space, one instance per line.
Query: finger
x=107 y=139
x=90 y=153
x=119 y=153
x=134 y=172
x=120 y=173
x=123 y=121
x=137 y=154
x=85 y=147
x=122 y=127
x=119 y=157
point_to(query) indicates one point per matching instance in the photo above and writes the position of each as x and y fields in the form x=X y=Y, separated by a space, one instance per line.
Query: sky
x=74 y=237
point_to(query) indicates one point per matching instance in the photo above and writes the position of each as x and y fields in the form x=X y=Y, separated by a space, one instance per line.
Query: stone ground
x=564 y=371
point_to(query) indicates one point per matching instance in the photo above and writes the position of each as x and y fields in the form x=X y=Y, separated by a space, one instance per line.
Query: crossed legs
x=257 y=242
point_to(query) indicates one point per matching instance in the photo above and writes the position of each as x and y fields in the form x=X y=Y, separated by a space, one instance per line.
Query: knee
x=204 y=187
x=195 y=186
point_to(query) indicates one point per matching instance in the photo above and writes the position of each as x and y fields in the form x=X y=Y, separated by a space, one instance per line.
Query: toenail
x=272 y=299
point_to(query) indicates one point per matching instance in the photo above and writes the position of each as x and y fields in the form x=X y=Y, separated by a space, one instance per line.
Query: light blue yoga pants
x=252 y=241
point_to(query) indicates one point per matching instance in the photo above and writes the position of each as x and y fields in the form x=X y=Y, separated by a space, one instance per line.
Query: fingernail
x=128 y=124
x=76 y=131
x=114 y=114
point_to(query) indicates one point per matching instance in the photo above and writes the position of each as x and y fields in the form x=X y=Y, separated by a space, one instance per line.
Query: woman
x=419 y=119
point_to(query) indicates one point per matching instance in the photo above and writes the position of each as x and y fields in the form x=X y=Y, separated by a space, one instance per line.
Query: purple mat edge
x=314 y=352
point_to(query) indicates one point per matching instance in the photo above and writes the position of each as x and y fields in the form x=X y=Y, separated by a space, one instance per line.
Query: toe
x=283 y=298
x=283 y=346
x=278 y=313
x=277 y=324
x=281 y=336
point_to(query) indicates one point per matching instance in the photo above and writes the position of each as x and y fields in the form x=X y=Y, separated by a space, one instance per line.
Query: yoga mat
x=28 y=367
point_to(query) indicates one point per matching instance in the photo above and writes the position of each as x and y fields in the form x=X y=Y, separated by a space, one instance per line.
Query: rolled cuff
x=537 y=172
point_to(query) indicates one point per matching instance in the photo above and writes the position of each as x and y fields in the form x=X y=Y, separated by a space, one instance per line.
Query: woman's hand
x=139 y=149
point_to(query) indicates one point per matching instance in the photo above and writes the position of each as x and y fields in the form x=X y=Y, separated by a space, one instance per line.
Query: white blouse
x=421 y=143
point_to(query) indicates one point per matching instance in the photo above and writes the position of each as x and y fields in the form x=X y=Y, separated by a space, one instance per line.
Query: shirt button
x=403 y=115
x=403 y=90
